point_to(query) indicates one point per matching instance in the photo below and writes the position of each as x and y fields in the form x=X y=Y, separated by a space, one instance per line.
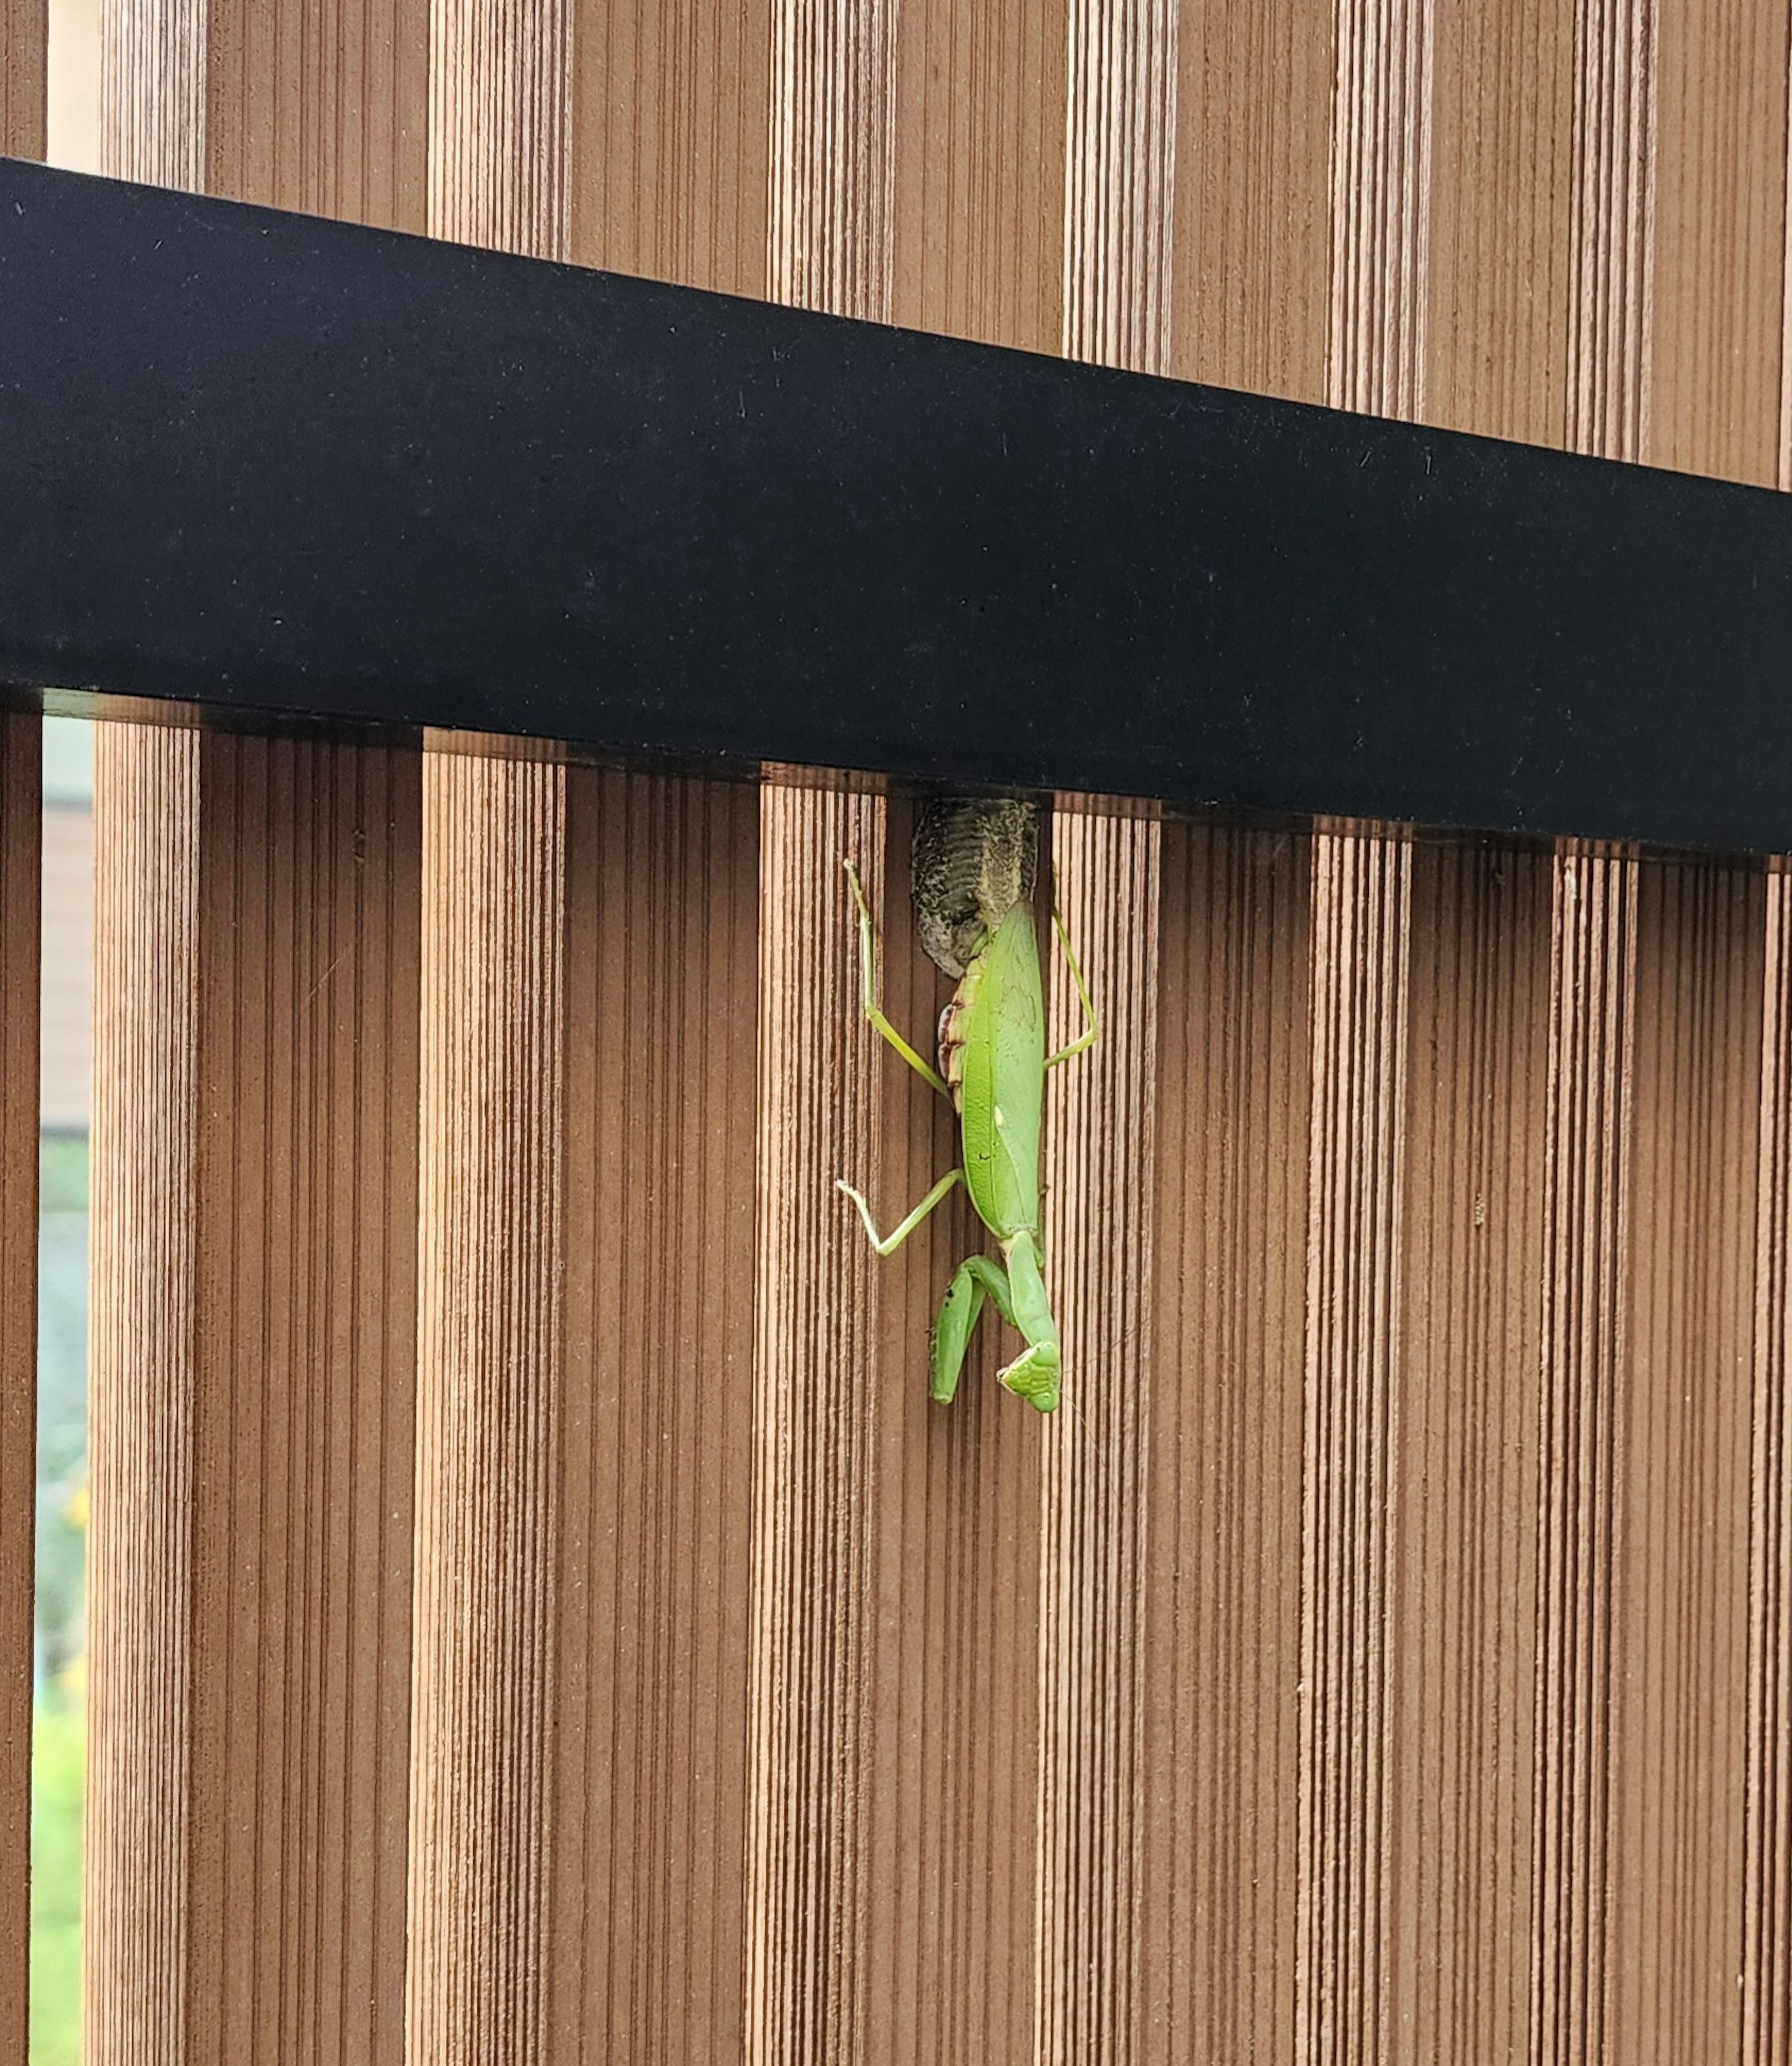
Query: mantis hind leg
x=1086 y=1037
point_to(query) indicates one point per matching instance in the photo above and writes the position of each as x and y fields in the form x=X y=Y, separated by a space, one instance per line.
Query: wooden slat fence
x=534 y=1611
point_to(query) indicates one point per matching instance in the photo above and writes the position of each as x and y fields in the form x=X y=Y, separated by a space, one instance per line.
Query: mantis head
x=974 y=859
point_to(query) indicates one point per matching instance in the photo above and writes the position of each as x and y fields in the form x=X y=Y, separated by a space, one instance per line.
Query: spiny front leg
x=1033 y=1375
x=975 y=1279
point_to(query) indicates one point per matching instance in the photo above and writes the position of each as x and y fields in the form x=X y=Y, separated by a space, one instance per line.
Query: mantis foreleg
x=1019 y=1297
x=872 y=1011
x=887 y=1244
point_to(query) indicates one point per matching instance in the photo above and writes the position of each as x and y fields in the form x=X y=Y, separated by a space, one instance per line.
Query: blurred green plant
x=58 y=1762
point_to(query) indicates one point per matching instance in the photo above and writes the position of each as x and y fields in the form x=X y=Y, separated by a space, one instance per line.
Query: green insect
x=974 y=871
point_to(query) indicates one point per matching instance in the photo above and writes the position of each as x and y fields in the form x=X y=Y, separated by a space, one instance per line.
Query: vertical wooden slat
x=152 y=92
x=141 y=1396
x=816 y=1400
x=492 y=1322
x=647 y=1727
x=1587 y=1260
x=1250 y=271
x=979 y=170
x=1219 y=1766
x=1459 y=1598
x=1498 y=204
x=1361 y=922
x=21 y=856
x=1381 y=206
x=896 y=1571
x=1717 y=256
x=254 y=1280
x=1675 y=1785
x=1767 y=1890
x=1119 y=217
x=321 y=105
x=489 y=1384
x=305 y=1211
x=24 y=52
x=669 y=141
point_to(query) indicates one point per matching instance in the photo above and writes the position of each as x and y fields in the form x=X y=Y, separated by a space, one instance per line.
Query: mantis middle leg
x=887 y=1244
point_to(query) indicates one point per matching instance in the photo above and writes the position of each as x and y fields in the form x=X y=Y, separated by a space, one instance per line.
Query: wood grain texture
x=1354 y=1355
x=140 y=1404
x=500 y=123
x=1461 y=1582
x=979 y=170
x=1119 y=223
x=491 y=1318
x=1219 y=1770
x=1253 y=243
x=647 y=1730
x=255 y=1131
x=830 y=239
x=306 y=1268
x=1381 y=206
x=1674 y=1788
x=1587 y=1184
x=1767 y=1888
x=1610 y=254
x=1717 y=260
x=321 y=105
x=152 y=92
x=21 y=850
x=24 y=55
x=670 y=133
x=1498 y=204
x=490 y=1381
x=895 y=1650
x=1099 y=1171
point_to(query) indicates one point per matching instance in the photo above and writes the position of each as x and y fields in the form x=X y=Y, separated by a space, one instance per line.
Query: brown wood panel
x=1354 y=1366
x=1677 y=1614
x=1717 y=255
x=647 y=1724
x=24 y=53
x=254 y=1285
x=1587 y=1263
x=895 y=1656
x=490 y=1394
x=670 y=140
x=1766 y=1970
x=490 y=1391
x=21 y=853
x=1099 y=1171
x=1219 y=1767
x=1459 y=1596
x=321 y=105
x=304 y=1212
x=1496 y=213
x=140 y=1378
x=979 y=172
x=1252 y=249
x=152 y=92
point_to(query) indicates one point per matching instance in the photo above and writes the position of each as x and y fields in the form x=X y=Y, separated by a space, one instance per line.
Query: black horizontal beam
x=279 y=468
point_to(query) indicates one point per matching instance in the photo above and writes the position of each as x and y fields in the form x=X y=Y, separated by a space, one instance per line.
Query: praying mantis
x=975 y=864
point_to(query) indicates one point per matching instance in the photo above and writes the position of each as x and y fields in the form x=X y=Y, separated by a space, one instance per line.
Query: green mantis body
x=992 y=1065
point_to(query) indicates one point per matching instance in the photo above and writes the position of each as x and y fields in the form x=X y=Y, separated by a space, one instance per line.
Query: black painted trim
x=279 y=467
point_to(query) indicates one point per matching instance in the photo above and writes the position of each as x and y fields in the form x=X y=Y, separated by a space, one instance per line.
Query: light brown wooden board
x=21 y=852
x=1385 y=1654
